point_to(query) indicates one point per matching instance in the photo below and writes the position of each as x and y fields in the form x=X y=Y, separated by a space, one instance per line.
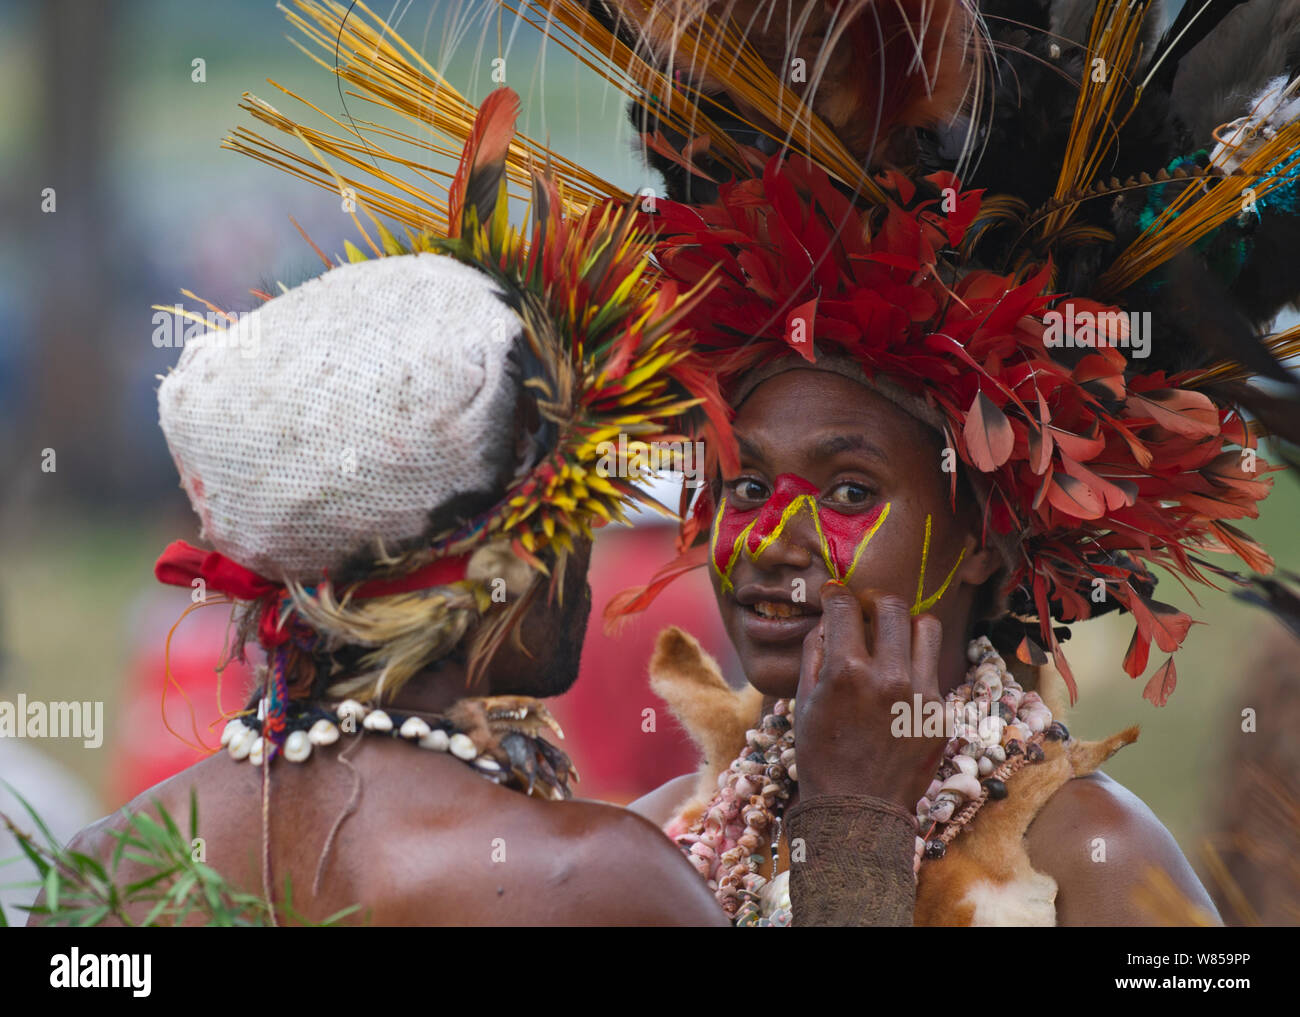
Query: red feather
x=637 y=598
x=489 y=141
x=1161 y=685
x=989 y=437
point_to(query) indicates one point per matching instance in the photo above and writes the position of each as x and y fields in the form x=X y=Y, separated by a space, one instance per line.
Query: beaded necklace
x=995 y=728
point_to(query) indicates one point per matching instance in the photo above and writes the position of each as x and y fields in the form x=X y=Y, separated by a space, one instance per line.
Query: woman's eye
x=747 y=489
x=850 y=493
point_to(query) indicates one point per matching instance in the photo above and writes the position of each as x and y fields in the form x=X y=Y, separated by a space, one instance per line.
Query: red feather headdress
x=1096 y=469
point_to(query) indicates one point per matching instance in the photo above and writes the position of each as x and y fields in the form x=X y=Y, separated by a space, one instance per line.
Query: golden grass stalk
x=391 y=75
x=1113 y=40
x=711 y=51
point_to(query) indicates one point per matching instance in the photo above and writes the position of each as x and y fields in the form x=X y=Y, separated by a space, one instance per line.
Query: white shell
x=256 y=750
x=1036 y=718
x=991 y=729
x=241 y=743
x=989 y=688
x=943 y=809
x=297 y=747
x=963 y=784
x=378 y=720
x=491 y=765
x=985 y=766
x=231 y=729
x=462 y=746
x=323 y=732
x=436 y=740
x=978 y=648
x=996 y=753
x=351 y=708
x=966 y=765
x=414 y=727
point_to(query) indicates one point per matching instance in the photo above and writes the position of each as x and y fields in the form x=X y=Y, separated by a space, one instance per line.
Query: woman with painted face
x=847 y=576
x=927 y=458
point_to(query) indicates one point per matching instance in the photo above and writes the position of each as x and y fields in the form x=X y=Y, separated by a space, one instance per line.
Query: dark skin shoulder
x=429 y=843
x=1098 y=840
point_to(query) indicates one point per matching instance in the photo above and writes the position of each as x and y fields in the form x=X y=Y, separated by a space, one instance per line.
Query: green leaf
x=51 y=840
x=52 y=888
x=338 y=916
x=84 y=863
x=133 y=889
x=34 y=856
x=155 y=912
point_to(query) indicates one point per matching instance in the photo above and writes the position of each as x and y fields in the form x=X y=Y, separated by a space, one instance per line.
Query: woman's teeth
x=779 y=609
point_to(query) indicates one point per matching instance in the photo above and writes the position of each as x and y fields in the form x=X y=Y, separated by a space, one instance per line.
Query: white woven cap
x=343 y=411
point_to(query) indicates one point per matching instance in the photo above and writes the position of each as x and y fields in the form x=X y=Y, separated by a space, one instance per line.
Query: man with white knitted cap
x=380 y=412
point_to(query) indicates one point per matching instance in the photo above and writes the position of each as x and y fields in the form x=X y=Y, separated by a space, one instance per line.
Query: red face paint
x=842 y=537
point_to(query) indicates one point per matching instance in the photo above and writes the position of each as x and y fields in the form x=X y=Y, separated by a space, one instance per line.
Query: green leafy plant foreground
x=174 y=886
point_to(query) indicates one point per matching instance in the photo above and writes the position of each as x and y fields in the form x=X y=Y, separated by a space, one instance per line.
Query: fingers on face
x=845 y=635
x=891 y=631
x=927 y=638
x=814 y=655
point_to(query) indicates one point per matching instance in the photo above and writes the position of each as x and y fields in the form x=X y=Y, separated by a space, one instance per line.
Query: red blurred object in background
x=603 y=715
x=144 y=751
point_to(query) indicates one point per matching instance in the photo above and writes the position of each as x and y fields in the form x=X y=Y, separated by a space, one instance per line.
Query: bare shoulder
x=637 y=874
x=1101 y=843
x=511 y=860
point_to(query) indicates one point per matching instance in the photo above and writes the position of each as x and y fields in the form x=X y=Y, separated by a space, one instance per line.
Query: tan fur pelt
x=715 y=715
x=984 y=879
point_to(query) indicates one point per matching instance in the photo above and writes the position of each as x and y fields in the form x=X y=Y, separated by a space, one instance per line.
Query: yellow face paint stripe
x=725 y=575
x=925 y=603
x=790 y=510
x=823 y=543
x=866 y=539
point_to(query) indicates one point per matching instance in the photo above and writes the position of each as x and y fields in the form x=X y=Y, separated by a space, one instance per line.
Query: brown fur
x=715 y=715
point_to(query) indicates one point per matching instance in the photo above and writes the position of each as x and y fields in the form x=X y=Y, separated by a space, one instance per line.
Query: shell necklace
x=995 y=727
x=500 y=737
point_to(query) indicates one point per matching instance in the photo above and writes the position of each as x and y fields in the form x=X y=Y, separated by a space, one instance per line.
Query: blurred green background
x=97 y=101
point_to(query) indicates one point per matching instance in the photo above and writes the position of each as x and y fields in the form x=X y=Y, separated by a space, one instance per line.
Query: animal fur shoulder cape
x=986 y=877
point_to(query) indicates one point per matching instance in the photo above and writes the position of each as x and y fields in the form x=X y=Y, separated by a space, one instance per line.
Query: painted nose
x=785 y=531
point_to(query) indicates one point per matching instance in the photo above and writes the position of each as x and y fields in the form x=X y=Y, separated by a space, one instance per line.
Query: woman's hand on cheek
x=847 y=700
